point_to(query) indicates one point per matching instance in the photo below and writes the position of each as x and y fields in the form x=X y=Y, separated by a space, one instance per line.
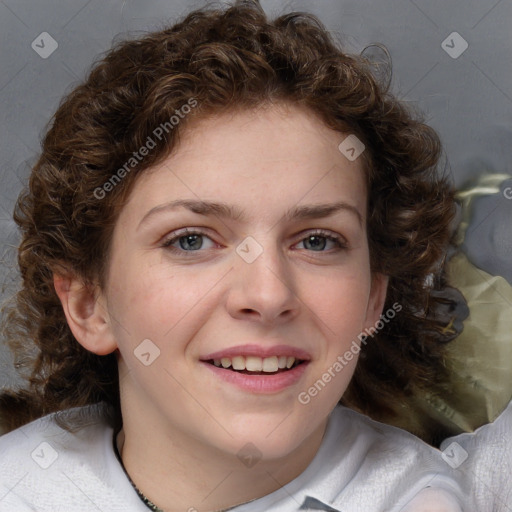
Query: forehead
x=262 y=161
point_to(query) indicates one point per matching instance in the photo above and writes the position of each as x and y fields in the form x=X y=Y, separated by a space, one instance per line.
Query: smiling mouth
x=252 y=365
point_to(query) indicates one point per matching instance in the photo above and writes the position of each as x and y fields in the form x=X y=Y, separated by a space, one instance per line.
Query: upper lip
x=259 y=351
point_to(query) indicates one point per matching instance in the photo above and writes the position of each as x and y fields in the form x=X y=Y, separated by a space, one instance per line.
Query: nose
x=263 y=290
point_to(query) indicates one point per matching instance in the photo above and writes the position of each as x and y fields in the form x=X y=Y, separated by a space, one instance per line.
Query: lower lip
x=260 y=383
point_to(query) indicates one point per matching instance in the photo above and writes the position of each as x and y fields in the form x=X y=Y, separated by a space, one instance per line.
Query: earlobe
x=86 y=314
x=377 y=299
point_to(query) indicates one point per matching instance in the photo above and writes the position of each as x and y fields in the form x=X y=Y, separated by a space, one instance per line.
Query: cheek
x=339 y=306
x=158 y=301
x=341 y=301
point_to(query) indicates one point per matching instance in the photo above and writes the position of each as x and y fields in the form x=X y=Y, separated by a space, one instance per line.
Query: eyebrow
x=196 y=206
x=319 y=211
x=223 y=210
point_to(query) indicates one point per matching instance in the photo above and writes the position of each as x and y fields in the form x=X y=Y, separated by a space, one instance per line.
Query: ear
x=376 y=300
x=86 y=314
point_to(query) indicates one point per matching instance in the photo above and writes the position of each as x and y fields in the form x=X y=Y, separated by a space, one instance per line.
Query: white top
x=485 y=458
x=361 y=465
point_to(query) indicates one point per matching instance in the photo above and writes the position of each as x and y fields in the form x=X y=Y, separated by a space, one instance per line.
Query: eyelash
x=167 y=243
x=337 y=239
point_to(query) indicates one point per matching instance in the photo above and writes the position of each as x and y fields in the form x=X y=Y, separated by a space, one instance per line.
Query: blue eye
x=188 y=241
x=318 y=242
x=315 y=242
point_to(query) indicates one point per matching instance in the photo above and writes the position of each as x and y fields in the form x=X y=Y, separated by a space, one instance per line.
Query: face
x=239 y=274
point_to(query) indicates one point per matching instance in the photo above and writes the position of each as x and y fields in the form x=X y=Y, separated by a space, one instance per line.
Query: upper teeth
x=256 y=364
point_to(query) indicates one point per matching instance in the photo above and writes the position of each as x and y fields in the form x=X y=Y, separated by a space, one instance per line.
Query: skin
x=182 y=423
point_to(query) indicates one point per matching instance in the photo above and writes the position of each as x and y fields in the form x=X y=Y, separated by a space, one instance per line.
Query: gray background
x=467 y=99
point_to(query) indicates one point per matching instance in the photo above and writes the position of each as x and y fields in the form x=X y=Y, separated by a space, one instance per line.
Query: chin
x=271 y=440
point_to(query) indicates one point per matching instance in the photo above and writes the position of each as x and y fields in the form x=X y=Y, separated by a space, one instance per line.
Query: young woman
x=230 y=232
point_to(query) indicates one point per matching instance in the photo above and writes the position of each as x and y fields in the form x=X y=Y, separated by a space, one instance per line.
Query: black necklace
x=141 y=495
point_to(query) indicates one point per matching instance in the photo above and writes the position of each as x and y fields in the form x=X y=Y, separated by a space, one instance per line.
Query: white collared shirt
x=361 y=465
x=486 y=467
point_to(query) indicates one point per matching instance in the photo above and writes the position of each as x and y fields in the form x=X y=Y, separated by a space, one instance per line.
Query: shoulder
x=44 y=465
x=485 y=462
x=43 y=441
x=388 y=466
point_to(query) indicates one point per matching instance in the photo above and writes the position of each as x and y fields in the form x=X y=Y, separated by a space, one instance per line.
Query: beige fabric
x=481 y=357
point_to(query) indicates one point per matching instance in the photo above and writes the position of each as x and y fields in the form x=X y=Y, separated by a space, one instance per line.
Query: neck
x=178 y=474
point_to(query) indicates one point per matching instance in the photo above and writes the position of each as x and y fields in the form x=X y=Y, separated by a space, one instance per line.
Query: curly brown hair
x=227 y=58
